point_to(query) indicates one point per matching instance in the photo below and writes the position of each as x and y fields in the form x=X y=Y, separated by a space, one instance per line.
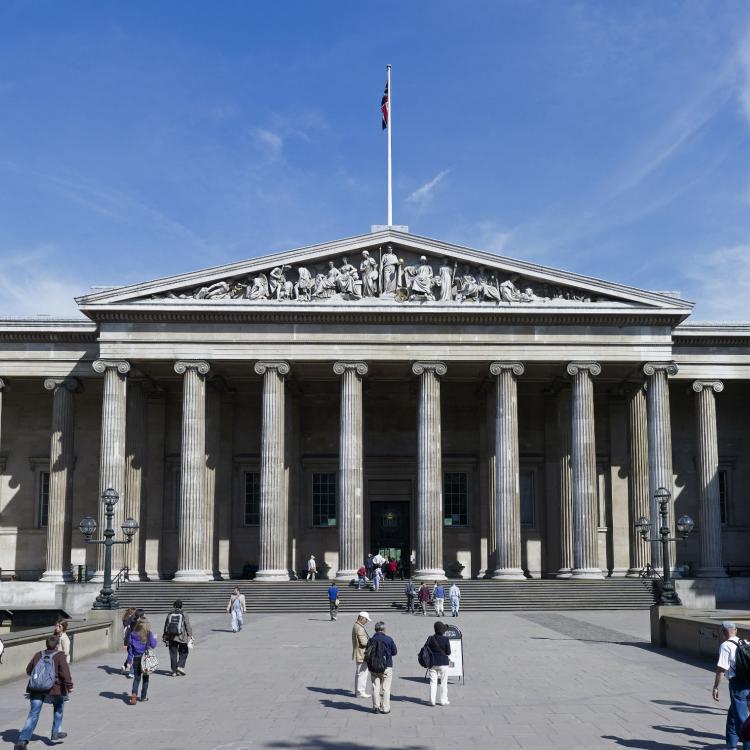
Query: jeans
x=37 y=701
x=738 y=696
x=381 y=690
x=334 y=608
x=237 y=620
x=438 y=674
x=439 y=603
x=137 y=674
x=178 y=654
x=423 y=605
x=410 y=603
x=361 y=581
x=455 y=604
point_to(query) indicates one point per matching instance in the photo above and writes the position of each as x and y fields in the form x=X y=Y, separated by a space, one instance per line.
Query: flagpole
x=390 y=165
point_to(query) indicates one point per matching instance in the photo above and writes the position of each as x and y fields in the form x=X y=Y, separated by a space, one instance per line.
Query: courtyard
x=532 y=680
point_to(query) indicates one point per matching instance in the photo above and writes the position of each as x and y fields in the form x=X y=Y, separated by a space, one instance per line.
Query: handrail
x=122 y=575
x=649 y=571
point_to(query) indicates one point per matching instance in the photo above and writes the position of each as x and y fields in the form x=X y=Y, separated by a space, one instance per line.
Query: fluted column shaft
x=709 y=527
x=136 y=441
x=112 y=452
x=3 y=386
x=565 y=477
x=507 y=482
x=61 y=456
x=351 y=480
x=191 y=552
x=638 y=486
x=430 y=472
x=274 y=533
x=583 y=465
x=659 y=448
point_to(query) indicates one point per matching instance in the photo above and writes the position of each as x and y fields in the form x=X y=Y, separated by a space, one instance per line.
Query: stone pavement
x=533 y=680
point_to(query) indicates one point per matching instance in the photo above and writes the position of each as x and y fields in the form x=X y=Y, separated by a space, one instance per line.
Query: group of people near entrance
x=435 y=597
x=373 y=660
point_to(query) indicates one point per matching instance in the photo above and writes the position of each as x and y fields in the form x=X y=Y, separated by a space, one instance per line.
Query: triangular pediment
x=385 y=268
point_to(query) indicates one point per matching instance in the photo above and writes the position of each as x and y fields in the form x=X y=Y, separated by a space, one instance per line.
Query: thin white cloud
x=743 y=85
x=270 y=143
x=424 y=194
x=491 y=237
x=720 y=283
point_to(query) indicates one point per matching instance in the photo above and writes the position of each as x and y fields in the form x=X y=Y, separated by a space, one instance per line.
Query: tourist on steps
x=141 y=639
x=360 y=638
x=236 y=609
x=438 y=598
x=333 y=600
x=411 y=594
x=454 y=594
x=377 y=578
x=361 y=577
x=312 y=568
x=177 y=635
x=424 y=597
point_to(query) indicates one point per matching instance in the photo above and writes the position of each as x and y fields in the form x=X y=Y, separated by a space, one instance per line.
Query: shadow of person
x=688 y=731
x=345 y=706
x=690 y=708
x=646 y=744
x=110 y=670
x=124 y=697
x=329 y=691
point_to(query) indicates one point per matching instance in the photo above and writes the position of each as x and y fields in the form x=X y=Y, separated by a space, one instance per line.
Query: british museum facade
x=469 y=414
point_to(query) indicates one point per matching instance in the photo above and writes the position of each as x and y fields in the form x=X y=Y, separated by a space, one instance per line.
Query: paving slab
x=534 y=680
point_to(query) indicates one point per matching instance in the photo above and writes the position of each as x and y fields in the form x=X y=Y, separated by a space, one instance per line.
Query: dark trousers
x=178 y=654
x=137 y=674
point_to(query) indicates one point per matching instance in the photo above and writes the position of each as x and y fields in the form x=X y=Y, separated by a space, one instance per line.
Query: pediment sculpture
x=389 y=277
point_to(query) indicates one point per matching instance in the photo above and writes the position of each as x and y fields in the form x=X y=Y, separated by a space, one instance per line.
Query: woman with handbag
x=440 y=648
x=141 y=643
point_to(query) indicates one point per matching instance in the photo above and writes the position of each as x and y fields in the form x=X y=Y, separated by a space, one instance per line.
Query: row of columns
x=121 y=460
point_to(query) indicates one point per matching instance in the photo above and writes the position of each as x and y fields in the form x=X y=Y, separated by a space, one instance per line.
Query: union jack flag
x=384 y=107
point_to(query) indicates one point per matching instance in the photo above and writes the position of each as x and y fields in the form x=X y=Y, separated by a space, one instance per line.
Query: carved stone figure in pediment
x=370 y=275
x=445 y=279
x=348 y=281
x=305 y=284
x=259 y=288
x=509 y=291
x=468 y=286
x=219 y=290
x=421 y=282
x=488 y=287
x=280 y=286
x=389 y=272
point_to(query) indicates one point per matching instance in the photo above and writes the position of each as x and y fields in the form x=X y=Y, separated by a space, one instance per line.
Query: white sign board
x=457 y=652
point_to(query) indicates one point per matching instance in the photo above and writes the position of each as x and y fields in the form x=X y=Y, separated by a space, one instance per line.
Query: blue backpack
x=44 y=674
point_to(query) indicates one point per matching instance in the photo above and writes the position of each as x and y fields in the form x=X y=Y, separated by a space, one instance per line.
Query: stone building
x=477 y=415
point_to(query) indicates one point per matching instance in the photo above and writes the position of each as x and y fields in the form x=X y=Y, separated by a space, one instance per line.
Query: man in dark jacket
x=177 y=635
x=381 y=682
x=56 y=695
x=440 y=648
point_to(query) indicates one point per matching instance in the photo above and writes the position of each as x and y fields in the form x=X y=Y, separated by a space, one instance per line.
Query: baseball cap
x=365 y=616
x=728 y=625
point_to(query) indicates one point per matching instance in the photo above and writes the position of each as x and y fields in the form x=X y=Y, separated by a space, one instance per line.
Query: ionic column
x=273 y=516
x=565 y=478
x=61 y=457
x=659 y=447
x=112 y=452
x=709 y=524
x=136 y=441
x=638 y=492
x=191 y=552
x=3 y=386
x=583 y=465
x=351 y=482
x=430 y=473
x=507 y=482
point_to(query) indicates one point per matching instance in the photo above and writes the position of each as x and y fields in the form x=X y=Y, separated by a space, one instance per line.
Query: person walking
x=454 y=595
x=312 y=568
x=61 y=627
x=424 y=597
x=438 y=598
x=177 y=634
x=236 y=609
x=369 y=565
x=392 y=565
x=739 y=686
x=361 y=577
x=377 y=578
x=141 y=640
x=440 y=648
x=378 y=561
x=129 y=619
x=360 y=639
x=379 y=657
x=411 y=593
x=49 y=682
x=333 y=600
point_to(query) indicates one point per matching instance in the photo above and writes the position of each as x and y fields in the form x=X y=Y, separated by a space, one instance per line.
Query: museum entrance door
x=389 y=530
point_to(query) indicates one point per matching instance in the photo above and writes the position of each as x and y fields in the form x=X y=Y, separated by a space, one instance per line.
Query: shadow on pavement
x=423 y=680
x=329 y=691
x=690 y=708
x=124 y=697
x=10 y=736
x=655 y=745
x=316 y=742
x=340 y=706
x=111 y=670
x=689 y=732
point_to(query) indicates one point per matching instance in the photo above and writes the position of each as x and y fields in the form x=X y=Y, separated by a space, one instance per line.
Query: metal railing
x=123 y=575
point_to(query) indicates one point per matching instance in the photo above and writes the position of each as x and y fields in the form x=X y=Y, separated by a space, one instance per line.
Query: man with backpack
x=734 y=661
x=177 y=635
x=379 y=658
x=49 y=682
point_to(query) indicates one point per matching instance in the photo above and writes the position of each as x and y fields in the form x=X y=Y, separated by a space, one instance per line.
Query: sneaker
x=181 y=671
x=21 y=745
x=143 y=700
x=58 y=735
x=447 y=703
x=363 y=695
x=173 y=674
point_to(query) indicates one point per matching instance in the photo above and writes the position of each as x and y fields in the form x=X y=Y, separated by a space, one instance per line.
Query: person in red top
x=56 y=695
x=392 y=567
x=361 y=576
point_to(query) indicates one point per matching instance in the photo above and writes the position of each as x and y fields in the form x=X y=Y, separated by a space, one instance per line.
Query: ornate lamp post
x=106 y=598
x=668 y=595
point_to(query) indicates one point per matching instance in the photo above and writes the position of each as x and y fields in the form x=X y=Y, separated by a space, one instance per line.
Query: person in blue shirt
x=333 y=600
x=438 y=597
x=381 y=683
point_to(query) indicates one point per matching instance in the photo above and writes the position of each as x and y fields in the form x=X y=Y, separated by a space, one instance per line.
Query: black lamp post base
x=106 y=602
x=668 y=597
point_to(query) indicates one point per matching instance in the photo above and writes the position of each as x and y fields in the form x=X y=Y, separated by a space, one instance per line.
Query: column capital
x=651 y=368
x=438 y=368
x=183 y=365
x=361 y=367
x=715 y=385
x=279 y=365
x=593 y=368
x=101 y=365
x=516 y=368
x=71 y=384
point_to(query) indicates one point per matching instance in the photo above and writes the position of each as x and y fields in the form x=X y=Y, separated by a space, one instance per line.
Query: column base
x=271 y=576
x=429 y=574
x=587 y=573
x=618 y=572
x=634 y=573
x=717 y=572
x=564 y=573
x=56 y=576
x=508 y=574
x=192 y=576
x=346 y=575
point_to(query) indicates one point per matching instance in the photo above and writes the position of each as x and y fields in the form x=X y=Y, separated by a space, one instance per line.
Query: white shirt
x=727 y=656
x=311 y=564
x=378 y=559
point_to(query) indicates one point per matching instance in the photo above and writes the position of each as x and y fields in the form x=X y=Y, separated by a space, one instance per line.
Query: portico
x=511 y=425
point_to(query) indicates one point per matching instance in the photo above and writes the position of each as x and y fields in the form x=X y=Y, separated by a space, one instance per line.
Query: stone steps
x=476 y=595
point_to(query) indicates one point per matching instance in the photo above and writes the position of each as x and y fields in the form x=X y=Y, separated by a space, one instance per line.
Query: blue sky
x=145 y=139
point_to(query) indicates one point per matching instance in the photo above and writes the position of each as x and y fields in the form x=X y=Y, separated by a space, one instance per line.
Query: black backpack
x=742 y=662
x=376 y=656
x=424 y=657
x=174 y=623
